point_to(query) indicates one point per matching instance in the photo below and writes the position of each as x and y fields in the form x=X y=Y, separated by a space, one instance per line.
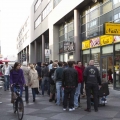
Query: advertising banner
x=69 y=46
x=95 y=42
x=116 y=39
x=86 y=44
x=112 y=28
x=106 y=39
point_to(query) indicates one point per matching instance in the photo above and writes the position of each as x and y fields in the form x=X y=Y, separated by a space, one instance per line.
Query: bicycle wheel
x=20 y=108
x=14 y=107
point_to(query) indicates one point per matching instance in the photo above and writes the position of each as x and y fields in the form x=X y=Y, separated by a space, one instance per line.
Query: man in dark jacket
x=58 y=78
x=93 y=82
x=69 y=83
x=45 y=78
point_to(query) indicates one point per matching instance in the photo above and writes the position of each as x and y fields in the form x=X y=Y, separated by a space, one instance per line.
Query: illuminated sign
x=112 y=29
x=106 y=39
x=86 y=44
x=94 y=42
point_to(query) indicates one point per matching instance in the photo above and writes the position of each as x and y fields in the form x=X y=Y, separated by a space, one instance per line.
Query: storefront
x=105 y=51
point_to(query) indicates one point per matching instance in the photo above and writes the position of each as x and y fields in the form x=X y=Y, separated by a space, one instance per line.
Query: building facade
x=75 y=31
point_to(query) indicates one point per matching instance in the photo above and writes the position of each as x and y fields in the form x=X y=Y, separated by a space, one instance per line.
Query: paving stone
x=67 y=116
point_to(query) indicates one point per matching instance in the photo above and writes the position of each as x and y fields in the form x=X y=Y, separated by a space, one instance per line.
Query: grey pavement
x=42 y=109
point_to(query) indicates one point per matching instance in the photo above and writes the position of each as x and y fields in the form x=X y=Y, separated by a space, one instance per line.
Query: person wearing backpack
x=52 y=82
x=58 y=78
x=6 y=72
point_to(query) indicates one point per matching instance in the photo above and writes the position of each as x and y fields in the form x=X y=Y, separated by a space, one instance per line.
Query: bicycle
x=18 y=105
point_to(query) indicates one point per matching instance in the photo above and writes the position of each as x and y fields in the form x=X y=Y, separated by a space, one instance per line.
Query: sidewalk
x=42 y=109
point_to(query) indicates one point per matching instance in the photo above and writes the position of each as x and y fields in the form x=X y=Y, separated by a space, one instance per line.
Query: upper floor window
x=37 y=4
x=47 y=10
x=56 y=2
x=38 y=21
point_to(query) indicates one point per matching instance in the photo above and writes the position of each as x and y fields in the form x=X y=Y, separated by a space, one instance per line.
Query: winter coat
x=34 y=82
x=80 y=74
x=45 y=72
x=26 y=74
x=17 y=77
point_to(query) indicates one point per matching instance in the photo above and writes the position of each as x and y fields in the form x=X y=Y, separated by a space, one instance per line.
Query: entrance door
x=107 y=69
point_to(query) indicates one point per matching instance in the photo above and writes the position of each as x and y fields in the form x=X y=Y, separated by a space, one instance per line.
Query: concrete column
x=30 y=53
x=26 y=53
x=77 y=35
x=43 y=48
x=35 y=46
x=21 y=57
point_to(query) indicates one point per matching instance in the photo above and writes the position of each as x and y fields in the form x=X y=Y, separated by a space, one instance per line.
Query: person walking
x=34 y=82
x=69 y=83
x=58 y=79
x=6 y=72
x=92 y=82
x=26 y=76
x=78 y=88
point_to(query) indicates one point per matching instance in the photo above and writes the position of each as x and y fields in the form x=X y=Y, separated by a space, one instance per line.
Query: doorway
x=107 y=69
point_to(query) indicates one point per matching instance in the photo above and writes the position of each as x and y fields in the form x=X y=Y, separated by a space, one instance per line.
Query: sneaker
x=64 y=109
x=71 y=109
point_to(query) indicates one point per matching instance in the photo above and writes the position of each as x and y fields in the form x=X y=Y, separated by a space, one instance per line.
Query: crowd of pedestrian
x=63 y=81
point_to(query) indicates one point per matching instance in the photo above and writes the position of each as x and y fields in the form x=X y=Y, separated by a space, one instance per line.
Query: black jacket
x=70 y=77
x=59 y=74
x=91 y=75
x=45 y=72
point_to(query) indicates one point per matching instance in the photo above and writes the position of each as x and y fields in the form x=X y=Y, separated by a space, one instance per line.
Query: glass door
x=107 y=69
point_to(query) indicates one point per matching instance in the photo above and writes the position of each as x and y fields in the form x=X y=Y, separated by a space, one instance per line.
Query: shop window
x=84 y=36
x=86 y=57
x=65 y=57
x=117 y=65
x=61 y=38
x=70 y=56
x=70 y=34
x=116 y=15
x=95 y=55
x=61 y=32
x=61 y=57
x=107 y=49
x=101 y=30
x=106 y=18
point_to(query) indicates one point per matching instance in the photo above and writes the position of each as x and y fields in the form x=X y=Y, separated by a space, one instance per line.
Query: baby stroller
x=103 y=92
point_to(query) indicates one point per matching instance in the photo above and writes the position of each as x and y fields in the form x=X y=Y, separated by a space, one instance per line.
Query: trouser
x=92 y=88
x=26 y=93
x=82 y=87
x=6 y=83
x=77 y=94
x=45 y=80
x=67 y=92
x=33 y=93
x=60 y=92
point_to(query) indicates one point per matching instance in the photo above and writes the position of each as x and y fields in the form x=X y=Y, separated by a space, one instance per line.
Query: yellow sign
x=112 y=29
x=86 y=45
x=106 y=39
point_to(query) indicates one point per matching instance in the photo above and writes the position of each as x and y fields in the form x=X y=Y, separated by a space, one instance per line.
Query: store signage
x=116 y=39
x=106 y=39
x=86 y=44
x=47 y=52
x=112 y=29
x=95 y=42
x=69 y=46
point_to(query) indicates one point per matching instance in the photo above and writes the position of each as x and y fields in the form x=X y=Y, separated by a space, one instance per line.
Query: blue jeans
x=6 y=83
x=45 y=80
x=60 y=92
x=77 y=93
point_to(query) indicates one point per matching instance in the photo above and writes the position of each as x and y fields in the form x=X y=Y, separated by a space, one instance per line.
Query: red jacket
x=80 y=74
